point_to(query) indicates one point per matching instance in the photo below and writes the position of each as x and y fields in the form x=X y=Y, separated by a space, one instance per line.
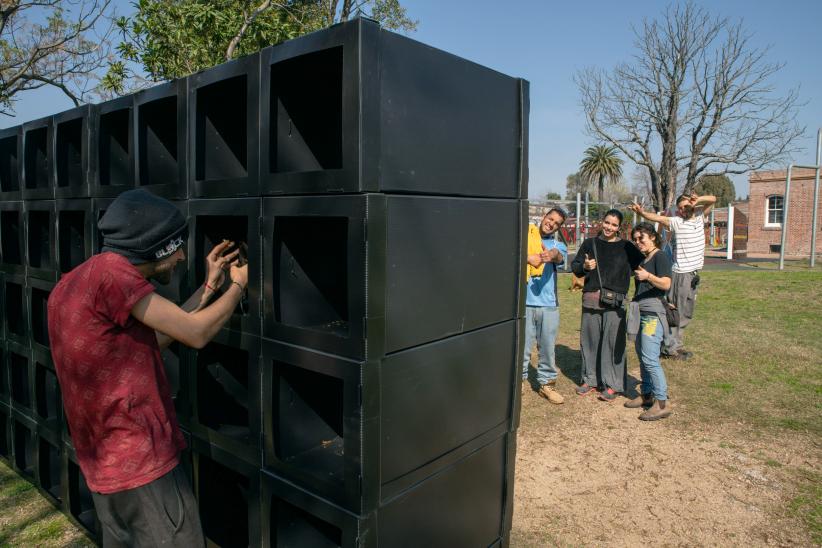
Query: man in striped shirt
x=688 y=228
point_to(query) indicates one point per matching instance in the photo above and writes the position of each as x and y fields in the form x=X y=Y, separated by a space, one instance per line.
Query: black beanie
x=142 y=227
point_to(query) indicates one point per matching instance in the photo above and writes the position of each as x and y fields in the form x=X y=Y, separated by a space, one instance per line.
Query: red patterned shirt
x=115 y=392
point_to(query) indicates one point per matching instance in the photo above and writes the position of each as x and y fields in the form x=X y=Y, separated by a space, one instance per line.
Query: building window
x=773 y=211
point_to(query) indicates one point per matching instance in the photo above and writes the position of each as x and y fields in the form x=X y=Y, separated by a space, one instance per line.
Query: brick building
x=767 y=190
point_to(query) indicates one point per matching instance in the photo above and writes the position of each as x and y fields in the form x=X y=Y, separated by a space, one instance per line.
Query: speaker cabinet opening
x=23 y=449
x=223 y=390
x=81 y=505
x=39 y=237
x=11 y=232
x=213 y=229
x=306 y=111
x=311 y=273
x=157 y=134
x=71 y=239
x=49 y=465
x=221 y=138
x=20 y=384
x=5 y=445
x=37 y=158
x=9 y=177
x=223 y=501
x=69 y=145
x=292 y=526
x=14 y=309
x=47 y=394
x=115 y=148
x=39 y=316
x=308 y=428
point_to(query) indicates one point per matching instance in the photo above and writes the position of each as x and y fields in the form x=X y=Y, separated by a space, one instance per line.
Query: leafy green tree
x=549 y=196
x=601 y=163
x=58 y=43
x=717 y=185
x=170 y=39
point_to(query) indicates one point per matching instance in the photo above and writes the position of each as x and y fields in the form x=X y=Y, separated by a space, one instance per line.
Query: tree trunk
x=601 y=187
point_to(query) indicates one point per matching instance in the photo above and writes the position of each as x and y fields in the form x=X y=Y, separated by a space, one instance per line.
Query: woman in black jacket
x=607 y=262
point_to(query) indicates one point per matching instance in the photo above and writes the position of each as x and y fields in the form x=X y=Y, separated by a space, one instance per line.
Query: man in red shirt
x=106 y=329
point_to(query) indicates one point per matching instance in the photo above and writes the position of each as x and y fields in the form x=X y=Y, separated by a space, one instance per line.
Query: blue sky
x=547 y=42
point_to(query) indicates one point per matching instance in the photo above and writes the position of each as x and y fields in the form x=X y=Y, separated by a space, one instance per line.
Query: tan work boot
x=659 y=410
x=550 y=393
x=645 y=400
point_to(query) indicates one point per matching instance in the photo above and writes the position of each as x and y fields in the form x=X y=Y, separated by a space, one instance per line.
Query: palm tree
x=601 y=162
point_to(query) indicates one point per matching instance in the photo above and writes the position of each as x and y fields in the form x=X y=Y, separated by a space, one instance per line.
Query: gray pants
x=161 y=513
x=682 y=294
x=602 y=341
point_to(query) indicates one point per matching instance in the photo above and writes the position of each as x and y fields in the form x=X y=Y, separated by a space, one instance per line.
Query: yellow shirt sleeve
x=534 y=247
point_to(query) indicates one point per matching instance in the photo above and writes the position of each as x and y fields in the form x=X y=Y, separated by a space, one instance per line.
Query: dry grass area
x=737 y=464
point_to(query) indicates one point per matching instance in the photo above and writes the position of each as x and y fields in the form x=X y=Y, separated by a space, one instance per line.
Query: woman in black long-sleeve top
x=602 y=334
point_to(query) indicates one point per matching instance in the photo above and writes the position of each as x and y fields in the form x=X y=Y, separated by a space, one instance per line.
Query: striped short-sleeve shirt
x=689 y=243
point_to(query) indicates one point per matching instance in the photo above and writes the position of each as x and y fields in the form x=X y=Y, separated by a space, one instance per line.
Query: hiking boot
x=645 y=400
x=584 y=389
x=659 y=410
x=550 y=393
x=684 y=355
x=609 y=395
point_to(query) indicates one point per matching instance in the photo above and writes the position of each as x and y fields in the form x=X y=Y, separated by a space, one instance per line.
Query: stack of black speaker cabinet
x=366 y=391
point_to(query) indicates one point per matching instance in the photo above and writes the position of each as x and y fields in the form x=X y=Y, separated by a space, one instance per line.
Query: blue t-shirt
x=542 y=290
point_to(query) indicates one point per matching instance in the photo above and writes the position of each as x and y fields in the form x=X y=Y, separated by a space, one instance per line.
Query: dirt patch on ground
x=590 y=473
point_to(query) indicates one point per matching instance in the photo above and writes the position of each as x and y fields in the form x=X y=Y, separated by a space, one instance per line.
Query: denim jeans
x=541 y=326
x=648 y=346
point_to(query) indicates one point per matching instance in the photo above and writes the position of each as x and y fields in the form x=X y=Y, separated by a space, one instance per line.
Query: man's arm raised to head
x=653 y=217
x=706 y=202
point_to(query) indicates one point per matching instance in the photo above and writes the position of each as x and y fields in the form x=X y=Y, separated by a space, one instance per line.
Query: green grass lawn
x=757 y=341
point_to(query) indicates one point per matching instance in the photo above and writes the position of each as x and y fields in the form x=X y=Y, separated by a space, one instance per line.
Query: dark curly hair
x=648 y=228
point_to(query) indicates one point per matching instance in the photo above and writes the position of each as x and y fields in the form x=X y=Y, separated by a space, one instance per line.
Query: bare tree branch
x=697 y=98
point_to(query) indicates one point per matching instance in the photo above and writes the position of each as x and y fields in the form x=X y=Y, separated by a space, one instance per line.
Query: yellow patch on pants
x=649 y=327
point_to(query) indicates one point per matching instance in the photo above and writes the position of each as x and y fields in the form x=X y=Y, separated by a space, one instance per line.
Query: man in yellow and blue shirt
x=545 y=255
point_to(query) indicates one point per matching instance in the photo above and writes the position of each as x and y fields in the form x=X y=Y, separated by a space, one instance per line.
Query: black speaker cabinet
x=15 y=310
x=225 y=393
x=75 y=230
x=48 y=405
x=71 y=153
x=12 y=237
x=5 y=433
x=223 y=118
x=24 y=439
x=162 y=139
x=11 y=154
x=4 y=375
x=236 y=220
x=463 y=505
x=358 y=432
x=354 y=108
x=50 y=468
x=364 y=275
x=41 y=239
x=112 y=166
x=38 y=292
x=78 y=498
x=20 y=377
x=38 y=159
x=228 y=494
x=176 y=361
